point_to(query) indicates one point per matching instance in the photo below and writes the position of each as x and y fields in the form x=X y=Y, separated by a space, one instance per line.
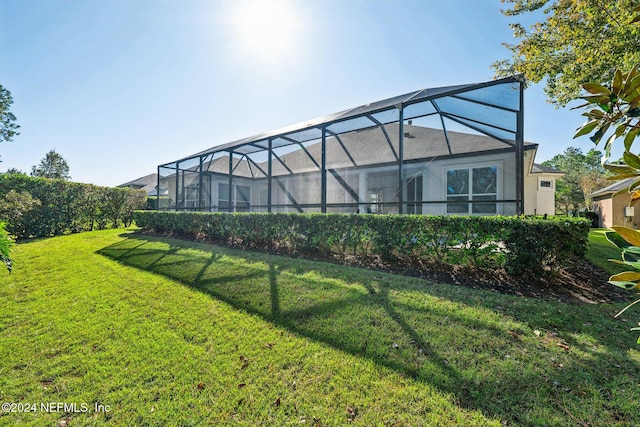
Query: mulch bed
x=580 y=283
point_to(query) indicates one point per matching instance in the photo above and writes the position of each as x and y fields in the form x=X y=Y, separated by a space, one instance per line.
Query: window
x=414 y=194
x=545 y=184
x=223 y=197
x=382 y=190
x=374 y=197
x=472 y=184
x=457 y=189
x=191 y=196
x=241 y=196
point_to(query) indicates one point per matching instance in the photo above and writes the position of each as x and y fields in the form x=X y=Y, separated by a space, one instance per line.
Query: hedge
x=522 y=245
x=41 y=207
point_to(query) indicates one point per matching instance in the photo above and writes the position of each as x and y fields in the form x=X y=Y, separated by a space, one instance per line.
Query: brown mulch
x=580 y=283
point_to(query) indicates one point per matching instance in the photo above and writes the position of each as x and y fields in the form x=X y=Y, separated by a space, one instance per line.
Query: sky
x=118 y=87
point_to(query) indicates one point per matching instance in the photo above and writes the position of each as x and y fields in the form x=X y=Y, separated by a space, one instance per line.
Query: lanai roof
x=489 y=108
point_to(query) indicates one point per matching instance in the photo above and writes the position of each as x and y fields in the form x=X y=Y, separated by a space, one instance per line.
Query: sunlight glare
x=266 y=30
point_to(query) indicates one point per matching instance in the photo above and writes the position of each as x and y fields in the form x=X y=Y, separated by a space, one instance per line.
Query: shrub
x=593 y=217
x=534 y=244
x=522 y=245
x=20 y=210
x=43 y=207
x=5 y=247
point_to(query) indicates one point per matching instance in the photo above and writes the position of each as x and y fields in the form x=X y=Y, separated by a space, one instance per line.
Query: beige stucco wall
x=546 y=202
x=435 y=188
x=539 y=200
x=611 y=211
x=603 y=207
x=530 y=194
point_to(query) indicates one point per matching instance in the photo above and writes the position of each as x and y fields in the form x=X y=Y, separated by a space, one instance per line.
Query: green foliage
x=53 y=165
x=5 y=247
x=8 y=127
x=521 y=245
x=591 y=216
x=151 y=203
x=613 y=112
x=574 y=42
x=583 y=174
x=552 y=243
x=600 y=251
x=15 y=171
x=40 y=207
x=20 y=210
x=611 y=115
x=628 y=240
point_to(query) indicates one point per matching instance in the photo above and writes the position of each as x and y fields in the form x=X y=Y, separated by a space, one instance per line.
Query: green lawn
x=168 y=332
x=601 y=250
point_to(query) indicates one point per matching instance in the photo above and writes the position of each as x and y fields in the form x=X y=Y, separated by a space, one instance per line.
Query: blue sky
x=120 y=86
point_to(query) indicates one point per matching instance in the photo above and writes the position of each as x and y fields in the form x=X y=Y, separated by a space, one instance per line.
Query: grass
x=168 y=332
x=601 y=250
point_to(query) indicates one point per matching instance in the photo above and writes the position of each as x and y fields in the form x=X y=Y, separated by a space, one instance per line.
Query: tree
x=583 y=174
x=14 y=171
x=8 y=128
x=53 y=165
x=593 y=181
x=578 y=42
x=613 y=114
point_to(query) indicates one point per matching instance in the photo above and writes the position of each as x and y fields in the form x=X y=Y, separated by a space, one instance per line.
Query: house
x=148 y=183
x=540 y=190
x=612 y=207
x=450 y=150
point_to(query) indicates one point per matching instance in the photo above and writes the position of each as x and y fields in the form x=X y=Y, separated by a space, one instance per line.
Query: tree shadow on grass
x=481 y=350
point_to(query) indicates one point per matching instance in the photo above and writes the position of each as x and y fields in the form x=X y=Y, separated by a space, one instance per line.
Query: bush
x=5 y=247
x=42 y=207
x=534 y=244
x=522 y=245
x=20 y=210
x=593 y=217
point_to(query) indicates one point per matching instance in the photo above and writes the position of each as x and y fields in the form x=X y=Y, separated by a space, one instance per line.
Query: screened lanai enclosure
x=448 y=150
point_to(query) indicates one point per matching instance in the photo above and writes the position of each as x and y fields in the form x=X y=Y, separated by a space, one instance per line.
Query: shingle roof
x=370 y=147
x=147 y=183
x=613 y=188
x=538 y=168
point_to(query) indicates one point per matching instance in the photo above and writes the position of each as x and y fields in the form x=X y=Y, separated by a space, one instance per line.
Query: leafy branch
x=612 y=113
x=627 y=240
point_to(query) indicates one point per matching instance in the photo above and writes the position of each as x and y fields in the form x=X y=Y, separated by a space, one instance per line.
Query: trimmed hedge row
x=522 y=245
x=42 y=207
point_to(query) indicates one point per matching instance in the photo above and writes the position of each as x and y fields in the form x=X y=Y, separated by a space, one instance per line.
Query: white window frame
x=541 y=180
x=234 y=201
x=470 y=167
